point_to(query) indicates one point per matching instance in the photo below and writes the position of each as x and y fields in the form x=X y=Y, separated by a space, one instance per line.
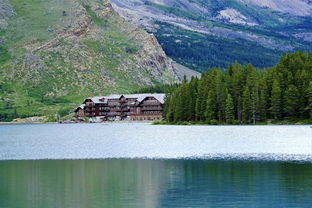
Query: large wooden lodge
x=132 y=107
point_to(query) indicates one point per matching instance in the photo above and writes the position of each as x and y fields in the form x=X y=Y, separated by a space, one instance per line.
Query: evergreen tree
x=178 y=110
x=246 y=111
x=210 y=112
x=193 y=94
x=199 y=102
x=276 y=100
x=254 y=99
x=184 y=100
x=229 y=109
x=309 y=98
x=221 y=94
x=168 y=108
x=246 y=94
x=292 y=104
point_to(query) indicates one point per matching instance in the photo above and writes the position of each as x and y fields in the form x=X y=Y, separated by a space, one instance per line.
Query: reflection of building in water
x=135 y=107
x=83 y=183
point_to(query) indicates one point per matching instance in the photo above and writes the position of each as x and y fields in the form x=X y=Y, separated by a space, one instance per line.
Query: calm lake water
x=141 y=165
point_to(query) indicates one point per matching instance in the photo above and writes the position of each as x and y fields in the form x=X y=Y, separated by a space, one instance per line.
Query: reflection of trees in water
x=81 y=183
x=152 y=183
x=296 y=177
x=222 y=182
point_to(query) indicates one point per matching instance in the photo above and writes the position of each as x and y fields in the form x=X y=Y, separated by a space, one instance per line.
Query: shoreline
x=269 y=123
x=105 y=122
x=161 y=124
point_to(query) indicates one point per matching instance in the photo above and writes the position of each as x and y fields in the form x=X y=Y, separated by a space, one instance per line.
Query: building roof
x=159 y=97
x=140 y=97
x=80 y=107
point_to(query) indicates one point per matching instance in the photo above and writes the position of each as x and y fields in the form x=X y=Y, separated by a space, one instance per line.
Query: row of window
x=124 y=108
x=151 y=102
x=89 y=114
x=104 y=108
x=151 y=107
x=151 y=112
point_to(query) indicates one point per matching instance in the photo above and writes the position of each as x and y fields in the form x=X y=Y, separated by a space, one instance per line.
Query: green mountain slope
x=53 y=53
x=205 y=33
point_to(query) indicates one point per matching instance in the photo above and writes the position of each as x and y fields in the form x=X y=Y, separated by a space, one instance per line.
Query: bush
x=214 y=122
x=64 y=111
x=235 y=122
x=185 y=123
x=160 y=123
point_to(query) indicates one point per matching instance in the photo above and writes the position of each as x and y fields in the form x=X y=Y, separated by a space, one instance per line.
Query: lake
x=142 y=165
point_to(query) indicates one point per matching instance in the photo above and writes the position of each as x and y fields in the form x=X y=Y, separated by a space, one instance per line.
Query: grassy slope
x=55 y=78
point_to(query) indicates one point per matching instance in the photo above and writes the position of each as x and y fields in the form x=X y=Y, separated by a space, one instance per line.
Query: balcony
x=115 y=110
x=89 y=109
x=150 y=104
x=151 y=109
x=114 y=114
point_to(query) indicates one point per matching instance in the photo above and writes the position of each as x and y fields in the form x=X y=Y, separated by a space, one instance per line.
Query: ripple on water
x=100 y=141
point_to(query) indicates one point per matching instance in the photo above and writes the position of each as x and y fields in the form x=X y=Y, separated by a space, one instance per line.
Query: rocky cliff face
x=58 y=48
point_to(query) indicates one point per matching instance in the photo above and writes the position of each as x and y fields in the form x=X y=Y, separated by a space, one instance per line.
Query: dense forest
x=199 y=52
x=244 y=95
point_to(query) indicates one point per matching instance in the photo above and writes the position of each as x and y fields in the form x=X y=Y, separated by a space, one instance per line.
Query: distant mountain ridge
x=202 y=34
x=294 y=7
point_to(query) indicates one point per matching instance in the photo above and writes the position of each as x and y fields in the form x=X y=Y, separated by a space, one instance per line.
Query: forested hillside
x=201 y=34
x=243 y=94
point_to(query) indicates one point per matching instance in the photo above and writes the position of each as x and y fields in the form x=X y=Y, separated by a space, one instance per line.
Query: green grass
x=4 y=54
x=33 y=18
x=98 y=21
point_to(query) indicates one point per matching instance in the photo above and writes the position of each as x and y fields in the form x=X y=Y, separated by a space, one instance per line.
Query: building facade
x=132 y=107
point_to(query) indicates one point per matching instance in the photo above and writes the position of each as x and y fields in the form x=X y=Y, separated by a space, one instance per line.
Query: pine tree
x=210 y=113
x=292 y=101
x=246 y=111
x=276 y=100
x=184 y=100
x=309 y=97
x=284 y=90
x=199 y=102
x=193 y=94
x=168 y=108
x=229 y=109
x=263 y=98
x=254 y=98
x=221 y=94
x=178 y=110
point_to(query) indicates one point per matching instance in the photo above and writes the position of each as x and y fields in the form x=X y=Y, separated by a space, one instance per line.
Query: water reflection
x=153 y=183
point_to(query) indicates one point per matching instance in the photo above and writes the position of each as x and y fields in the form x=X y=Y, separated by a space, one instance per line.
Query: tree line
x=164 y=88
x=244 y=95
